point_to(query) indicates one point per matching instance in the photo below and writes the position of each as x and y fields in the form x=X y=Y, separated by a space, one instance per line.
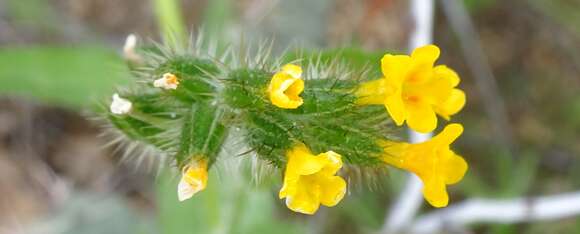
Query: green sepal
x=329 y=119
x=196 y=77
x=246 y=88
x=138 y=130
x=152 y=103
x=202 y=133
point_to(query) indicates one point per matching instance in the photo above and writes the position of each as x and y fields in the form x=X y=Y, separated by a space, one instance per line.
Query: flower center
x=172 y=79
x=412 y=99
x=289 y=88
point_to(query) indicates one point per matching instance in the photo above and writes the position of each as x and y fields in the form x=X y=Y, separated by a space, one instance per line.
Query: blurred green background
x=59 y=57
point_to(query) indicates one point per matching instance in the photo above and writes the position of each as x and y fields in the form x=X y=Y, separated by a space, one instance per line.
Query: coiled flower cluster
x=309 y=119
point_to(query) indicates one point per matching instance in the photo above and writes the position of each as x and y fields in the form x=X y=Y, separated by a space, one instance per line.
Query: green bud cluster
x=219 y=93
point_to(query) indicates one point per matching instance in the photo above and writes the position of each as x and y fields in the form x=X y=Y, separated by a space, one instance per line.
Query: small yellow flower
x=193 y=179
x=310 y=180
x=432 y=161
x=167 y=81
x=286 y=86
x=414 y=90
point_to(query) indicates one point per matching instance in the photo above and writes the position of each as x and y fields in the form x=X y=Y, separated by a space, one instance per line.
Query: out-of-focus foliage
x=69 y=76
x=229 y=206
x=477 y=5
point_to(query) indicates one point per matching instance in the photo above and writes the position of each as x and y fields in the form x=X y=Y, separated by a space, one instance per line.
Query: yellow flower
x=310 y=180
x=286 y=86
x=193 y=179
x=414 y=90
x=432 y=161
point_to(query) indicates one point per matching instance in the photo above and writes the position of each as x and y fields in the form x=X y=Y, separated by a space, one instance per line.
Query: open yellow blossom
x=286 y=86
x=310 y=180
x=414 y=90
x=193 y=179
x=167 y=81
x=432 y=161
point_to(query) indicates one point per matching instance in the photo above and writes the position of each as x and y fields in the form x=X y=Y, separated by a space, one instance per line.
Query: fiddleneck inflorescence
x=311 y=120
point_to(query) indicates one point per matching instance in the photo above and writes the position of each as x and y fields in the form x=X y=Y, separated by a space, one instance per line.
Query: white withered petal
x=120 y=106
x=129 y=48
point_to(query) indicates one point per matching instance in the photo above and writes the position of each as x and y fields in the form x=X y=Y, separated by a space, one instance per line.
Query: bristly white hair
x=135 y=154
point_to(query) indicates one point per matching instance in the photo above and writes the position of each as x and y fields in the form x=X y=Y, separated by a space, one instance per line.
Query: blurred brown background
x=58 y=56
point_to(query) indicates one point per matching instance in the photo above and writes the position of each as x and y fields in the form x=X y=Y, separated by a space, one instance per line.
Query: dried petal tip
x=129 y=48
x=120 y=106
x=168 y=81
x=193 y=180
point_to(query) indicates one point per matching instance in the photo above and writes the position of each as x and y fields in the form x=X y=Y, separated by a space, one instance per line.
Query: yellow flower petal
x=395 y=67
x=438 y=90
x=290 y=183
x=306 y=200
x=449 y=134
x=435 y=192
x=443 y=72
x=293 y=70
x=393 y=152
x=284 y=88
x=419 y=74
x=426 y=54
x=295 y=88
x=432 y=92
x=411 y=78
x=452 y=105
x=396 y=108
x=302 y=162
x=193 y=179
x=310 y=180
x=286 y=189
x=432 y=161
x=333 y=190
x=421 y=117
x=373 y=92
x=454 y=169
x=333 y=163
